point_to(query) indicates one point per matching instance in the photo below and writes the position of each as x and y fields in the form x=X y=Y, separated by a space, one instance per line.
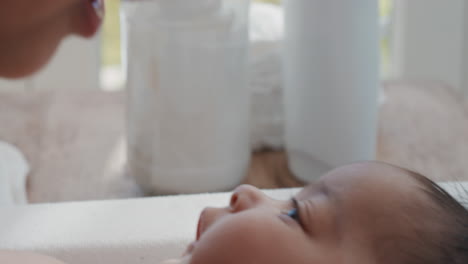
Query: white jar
x=188 y=100
x=331 y=66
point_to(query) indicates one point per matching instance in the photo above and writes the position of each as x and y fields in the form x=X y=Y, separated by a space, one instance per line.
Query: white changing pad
x=13 y=172
x=143 y=231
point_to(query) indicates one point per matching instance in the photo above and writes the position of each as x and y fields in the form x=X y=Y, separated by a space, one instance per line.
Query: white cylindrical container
x=331 y=83
x=188 y=100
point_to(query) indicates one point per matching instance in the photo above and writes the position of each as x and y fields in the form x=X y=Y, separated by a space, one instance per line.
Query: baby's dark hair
x=447 y=242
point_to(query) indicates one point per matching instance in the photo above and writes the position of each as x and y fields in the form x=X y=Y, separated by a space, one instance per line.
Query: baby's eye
x=293 y=213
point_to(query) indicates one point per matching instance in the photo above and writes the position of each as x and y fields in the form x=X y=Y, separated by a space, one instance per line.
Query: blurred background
x=424 y=40
x=97 y=64
x=69 y=119
x=111 y=76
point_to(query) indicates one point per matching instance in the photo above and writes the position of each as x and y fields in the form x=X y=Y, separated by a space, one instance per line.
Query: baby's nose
x=245 y=197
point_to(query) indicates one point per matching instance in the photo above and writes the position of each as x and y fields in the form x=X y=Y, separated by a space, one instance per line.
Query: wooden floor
x=269 y=170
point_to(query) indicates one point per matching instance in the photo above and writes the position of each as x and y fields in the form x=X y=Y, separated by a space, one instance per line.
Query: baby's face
x=337 y=220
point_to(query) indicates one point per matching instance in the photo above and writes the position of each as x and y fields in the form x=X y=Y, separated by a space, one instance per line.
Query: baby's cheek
x=237 y=240
x=222 y=244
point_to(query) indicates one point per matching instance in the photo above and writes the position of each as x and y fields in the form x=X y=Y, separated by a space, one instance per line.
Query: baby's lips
x=199 y=225
x=208 y=217
x=189 y=249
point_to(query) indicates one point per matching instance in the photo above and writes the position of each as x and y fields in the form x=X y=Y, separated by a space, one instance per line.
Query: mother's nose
x=245 y=197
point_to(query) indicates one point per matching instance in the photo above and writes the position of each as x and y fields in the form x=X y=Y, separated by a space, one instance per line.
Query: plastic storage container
x=331 y=66
x=188 y=100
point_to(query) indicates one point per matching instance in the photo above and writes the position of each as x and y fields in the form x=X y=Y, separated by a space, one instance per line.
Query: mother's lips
x=98 y=6
x=90 y=21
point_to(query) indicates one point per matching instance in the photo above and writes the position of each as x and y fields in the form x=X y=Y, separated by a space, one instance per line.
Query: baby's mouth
x=198 y=230
x=191 y=246
x=200 y=226
x=189 y=249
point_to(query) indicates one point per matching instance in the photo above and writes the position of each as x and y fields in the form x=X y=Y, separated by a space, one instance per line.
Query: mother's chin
x=25 y=57
x=26 y=50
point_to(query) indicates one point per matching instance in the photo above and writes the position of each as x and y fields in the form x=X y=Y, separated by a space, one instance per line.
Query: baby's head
x=362 y=213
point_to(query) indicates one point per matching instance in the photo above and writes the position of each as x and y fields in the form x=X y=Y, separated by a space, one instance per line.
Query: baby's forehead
x=373 y=175
x=371 y=187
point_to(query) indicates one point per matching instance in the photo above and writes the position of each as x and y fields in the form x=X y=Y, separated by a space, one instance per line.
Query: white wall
x=430 y=41
x=17 y=85
x=464 y=71
x=76 y=65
